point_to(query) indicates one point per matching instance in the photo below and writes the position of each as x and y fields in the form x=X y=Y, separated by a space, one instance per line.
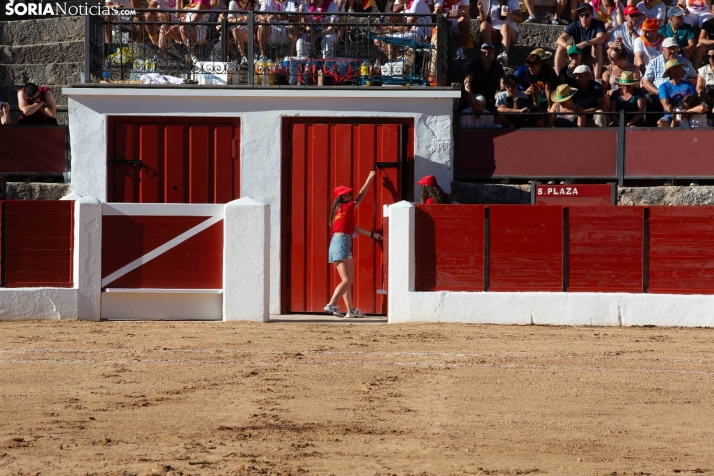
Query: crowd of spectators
x=651 y=61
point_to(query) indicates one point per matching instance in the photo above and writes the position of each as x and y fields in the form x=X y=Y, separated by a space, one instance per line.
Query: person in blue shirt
x=672 y=92
x=680 y=31
x=588 y=34
x=537 y=78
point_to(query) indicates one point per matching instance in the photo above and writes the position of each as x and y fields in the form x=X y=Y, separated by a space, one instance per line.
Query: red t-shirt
x=37 y=117
x=345 y=219
x=429 y=201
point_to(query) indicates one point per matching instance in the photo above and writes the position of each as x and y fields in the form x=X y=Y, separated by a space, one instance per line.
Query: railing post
x=251 y=46
x=224 y=41
x=621 y=148
x=87 y=48
x=440 y=48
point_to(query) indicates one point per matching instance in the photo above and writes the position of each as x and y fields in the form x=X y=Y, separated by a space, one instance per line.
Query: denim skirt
x=340 y=247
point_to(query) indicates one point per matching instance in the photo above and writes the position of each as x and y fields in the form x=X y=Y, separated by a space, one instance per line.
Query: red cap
x=631 y=10
x=341 y=190
x=428 y=181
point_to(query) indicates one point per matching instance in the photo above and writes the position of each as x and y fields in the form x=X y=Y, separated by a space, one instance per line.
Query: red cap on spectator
x=631 y=10
x=428 y=181
x=341 y=190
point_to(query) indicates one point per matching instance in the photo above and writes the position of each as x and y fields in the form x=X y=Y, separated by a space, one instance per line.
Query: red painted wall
x=33 y=149
x=649 y=153
x=38 y=241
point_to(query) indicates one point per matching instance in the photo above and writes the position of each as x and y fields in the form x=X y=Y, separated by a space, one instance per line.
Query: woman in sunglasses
x=705 y=80
x=37 y=104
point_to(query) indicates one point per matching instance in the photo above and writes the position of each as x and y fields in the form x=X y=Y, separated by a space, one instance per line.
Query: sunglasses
x=584 y=15
x=710 y=57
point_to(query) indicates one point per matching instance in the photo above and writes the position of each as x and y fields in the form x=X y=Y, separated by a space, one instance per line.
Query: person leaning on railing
x=672 y=91
x=629 y=98
x=37 y=104
x=568 y=114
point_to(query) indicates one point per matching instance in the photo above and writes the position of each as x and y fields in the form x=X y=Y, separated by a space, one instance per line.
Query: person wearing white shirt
x=414 y=33
x=476 y=116
x=499 y=20
x=626 y=33
x=654 y=9
x=457 y=13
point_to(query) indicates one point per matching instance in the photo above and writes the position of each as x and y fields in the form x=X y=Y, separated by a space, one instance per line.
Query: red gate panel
x=323 y=156
x=23 y=153
x=681 y=250
x=39 y=243
x=180 y=160
x=648 y=153
x=605 y=249
x=449 y=247
x=526 y=248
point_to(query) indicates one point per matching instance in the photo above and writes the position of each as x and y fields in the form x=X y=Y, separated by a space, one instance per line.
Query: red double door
x=321 y=157
x=173 y=160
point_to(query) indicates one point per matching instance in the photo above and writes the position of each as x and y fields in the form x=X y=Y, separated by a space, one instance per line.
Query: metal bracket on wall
x=135 y=163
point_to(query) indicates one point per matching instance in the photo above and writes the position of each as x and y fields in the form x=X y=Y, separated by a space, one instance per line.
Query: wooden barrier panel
x=449 y=247
x=39 y=241
x=667 y=153
x=526 y=248
x=681 y=250
x=33 y=149
x=533 y=154
x=605 y=249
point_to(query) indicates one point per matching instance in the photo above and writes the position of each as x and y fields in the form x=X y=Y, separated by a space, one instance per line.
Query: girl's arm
x=365 y=187
x=374 y=235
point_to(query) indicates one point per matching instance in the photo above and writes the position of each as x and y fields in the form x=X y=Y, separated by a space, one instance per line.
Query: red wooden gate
x=322 y=156
x=173 y=160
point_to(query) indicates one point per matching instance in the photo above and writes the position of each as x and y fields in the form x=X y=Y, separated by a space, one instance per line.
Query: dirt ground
x=222 y=398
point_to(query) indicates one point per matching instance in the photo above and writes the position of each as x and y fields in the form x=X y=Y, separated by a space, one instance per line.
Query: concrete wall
x=261 y=112
x=557 y=308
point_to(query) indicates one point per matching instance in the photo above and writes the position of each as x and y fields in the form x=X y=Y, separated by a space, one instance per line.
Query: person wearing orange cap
x=431 y=193
x=342 y=220
x=649 y=45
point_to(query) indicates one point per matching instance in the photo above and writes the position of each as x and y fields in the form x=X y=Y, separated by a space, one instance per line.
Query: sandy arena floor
x=285 y=398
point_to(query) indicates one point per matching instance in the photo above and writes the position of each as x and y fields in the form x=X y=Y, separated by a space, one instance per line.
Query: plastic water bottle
x=264 y=71
x=286 y=67
x=270 y=69
x=258 y=76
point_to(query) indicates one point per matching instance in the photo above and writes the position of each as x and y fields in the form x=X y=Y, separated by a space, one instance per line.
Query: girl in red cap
x=342 y=220
x=431 y=193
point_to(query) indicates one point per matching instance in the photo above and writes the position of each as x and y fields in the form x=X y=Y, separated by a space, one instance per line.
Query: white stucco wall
x=549 y=308
x=260 y=112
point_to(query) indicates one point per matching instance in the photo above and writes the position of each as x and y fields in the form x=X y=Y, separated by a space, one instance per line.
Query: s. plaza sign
x=581 y=194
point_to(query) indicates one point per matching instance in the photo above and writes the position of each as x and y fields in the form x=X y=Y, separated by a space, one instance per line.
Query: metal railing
x=231 y=47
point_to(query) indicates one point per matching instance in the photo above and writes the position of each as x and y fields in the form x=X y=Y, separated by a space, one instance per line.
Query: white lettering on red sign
x=558 y=191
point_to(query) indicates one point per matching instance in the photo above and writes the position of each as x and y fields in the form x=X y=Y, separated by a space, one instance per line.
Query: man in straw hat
x=588 y=34
x=627 y=32
x=629 y=98
x=672 y=91
x=537 y=78
x=648 y=45
x=568 y=114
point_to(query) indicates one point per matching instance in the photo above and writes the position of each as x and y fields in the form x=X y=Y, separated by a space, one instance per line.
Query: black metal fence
x=234 y=47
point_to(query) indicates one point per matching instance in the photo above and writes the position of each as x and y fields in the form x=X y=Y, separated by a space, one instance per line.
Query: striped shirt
x=655 y=70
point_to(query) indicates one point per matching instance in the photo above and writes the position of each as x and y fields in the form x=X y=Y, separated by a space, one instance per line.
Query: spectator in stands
x=568 y=114
x=476 y=116
x=537 y=78
x=590 y=96
x=654 y=76
x=618 y=63
x=160 y=15
x=693 y=114
x=458 y=16
x=530 y=7
x=484 y=75
x=432 y=194
x=680 y=31
x=698 y=11
x=560 y=7
x=239 y=33
x=629 y=98
x=706 y=40
x=500 y=23
x=649 y=45
x=411 y=31
x=121 y=23
x=588 y=34
x=626 y=33
x=326 y=34
x=513 y=101
x=654 y=9
x=37 y=104
x=186 y=34
x=672 y=91
x=5 y=114
x=609 y=12
x=567 y=75
x=705 y=80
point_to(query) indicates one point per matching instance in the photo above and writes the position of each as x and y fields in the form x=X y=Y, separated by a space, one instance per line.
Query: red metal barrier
x=449 y=245
x=605 y=249
x=681 y=250
x=526 y=249
x=664 y=153
x=533 y=154
x=38 y=241
x=33 y=149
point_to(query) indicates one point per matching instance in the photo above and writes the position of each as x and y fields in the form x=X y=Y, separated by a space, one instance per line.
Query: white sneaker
x=355 y=313
x=460 y=55
x=330 y=309
x=503 y=59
